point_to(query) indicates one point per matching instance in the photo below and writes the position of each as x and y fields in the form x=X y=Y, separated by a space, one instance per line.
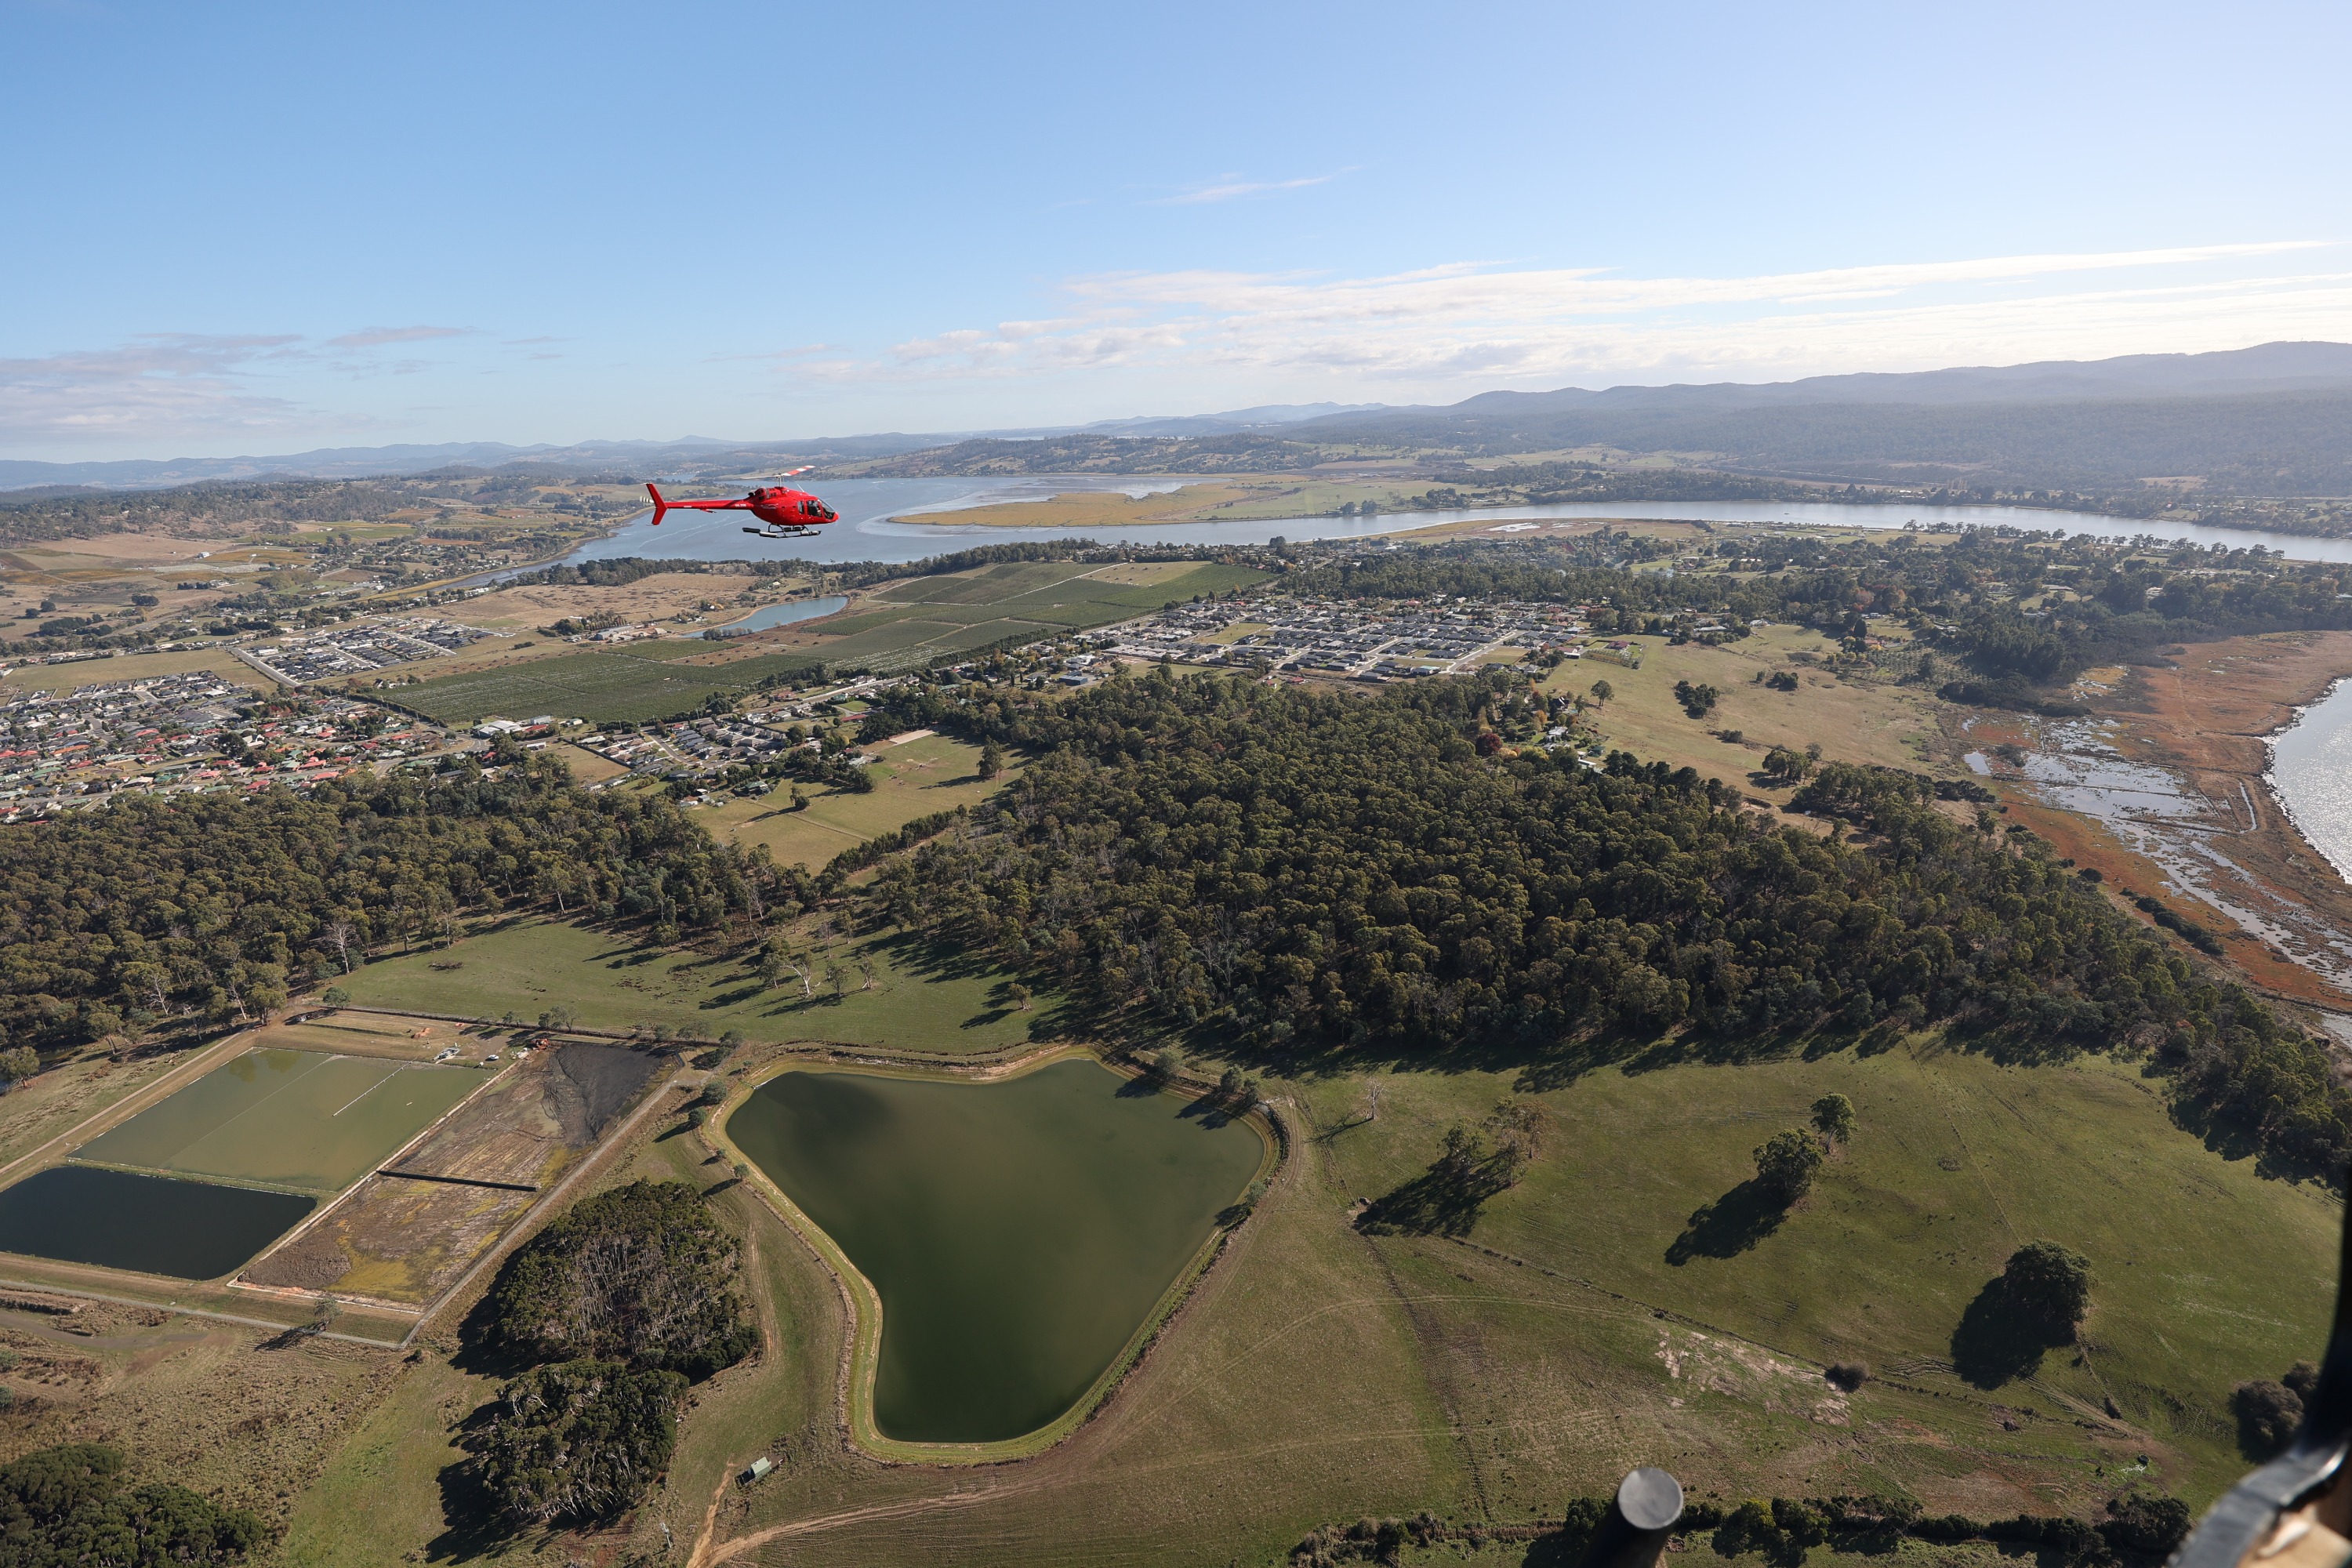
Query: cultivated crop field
x=622 y=688
x=913 y=623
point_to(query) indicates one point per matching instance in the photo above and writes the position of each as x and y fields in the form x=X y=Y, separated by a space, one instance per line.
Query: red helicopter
x=784 y=512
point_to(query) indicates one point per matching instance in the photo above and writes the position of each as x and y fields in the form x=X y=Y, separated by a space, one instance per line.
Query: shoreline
x=2301 y=714
x=2166 y=789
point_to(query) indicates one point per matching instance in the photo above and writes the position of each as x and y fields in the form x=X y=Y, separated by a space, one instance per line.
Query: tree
x=1785 y=1165
x=1019 y=995
x=2048 y=1281
x=336 y=996
x=1697 y=700
x=2268 y=1414
x=1516 y=1128
x=1602 y=691
x=1166 y=1064
x=992 y=761
x=557 y=1017
x=67 y=1506
x=641 y=1273
x=338 y=933
x=579 y=1442
x=1833 y=1117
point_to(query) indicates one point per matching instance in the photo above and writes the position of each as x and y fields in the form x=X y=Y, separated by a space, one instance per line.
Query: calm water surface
x=152 y=1225
x=866 y=532
x=759 y=620
x=1018 y=1233
x=2311 y=773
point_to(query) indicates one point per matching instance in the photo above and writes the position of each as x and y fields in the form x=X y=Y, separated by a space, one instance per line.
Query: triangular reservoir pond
x=1017 y=1232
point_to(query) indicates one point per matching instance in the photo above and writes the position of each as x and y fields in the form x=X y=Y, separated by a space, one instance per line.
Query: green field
x=1583 y=1325
x=1321 y=1374
x=921 y=998
x=287 y=1119
x=624 y=688
x=921 y=777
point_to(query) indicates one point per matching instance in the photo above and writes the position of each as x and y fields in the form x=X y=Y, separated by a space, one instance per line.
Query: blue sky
x=244 y=227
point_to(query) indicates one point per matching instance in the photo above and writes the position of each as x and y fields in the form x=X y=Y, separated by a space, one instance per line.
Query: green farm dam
x=1017 y=1232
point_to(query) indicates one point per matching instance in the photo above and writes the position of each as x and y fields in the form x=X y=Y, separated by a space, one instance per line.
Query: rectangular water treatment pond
x=302 y=1120
x=150 y=1224
x=1018 y=1234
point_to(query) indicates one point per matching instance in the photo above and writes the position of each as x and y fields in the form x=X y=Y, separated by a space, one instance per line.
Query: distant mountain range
x=2271 y=419
x=649 y=458
x=2275 y=419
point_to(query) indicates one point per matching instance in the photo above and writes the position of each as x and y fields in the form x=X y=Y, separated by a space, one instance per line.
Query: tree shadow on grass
x=1731 y=1224
x=1998 y=1340
x=1432 y=1204
x=473 y=1526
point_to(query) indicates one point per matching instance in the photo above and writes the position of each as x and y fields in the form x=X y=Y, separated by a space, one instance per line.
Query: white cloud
x=186 y=387
x=162 y=386
x=1233 y=189
x=376 y=337
x=1437 y=329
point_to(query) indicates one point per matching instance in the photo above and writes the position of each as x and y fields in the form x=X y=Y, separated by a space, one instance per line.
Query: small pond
x=784 y=614
x=152 y=1225
x=1018 y=1233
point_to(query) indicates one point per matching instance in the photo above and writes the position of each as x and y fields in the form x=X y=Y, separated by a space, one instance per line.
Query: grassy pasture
x=1319 y=1374
x=2208 y=1273
x=1586 y=1324
x=1854 y=720
x=1223 y=500
x=923 y=998
x=935 y=774
x=74 y=676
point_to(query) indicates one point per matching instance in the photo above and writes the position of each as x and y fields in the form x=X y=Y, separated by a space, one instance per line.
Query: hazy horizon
x=261 y=237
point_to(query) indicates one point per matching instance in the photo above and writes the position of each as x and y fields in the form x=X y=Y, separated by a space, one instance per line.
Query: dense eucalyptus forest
x=1296 y=872
x=1299 y=872
x=160 y=906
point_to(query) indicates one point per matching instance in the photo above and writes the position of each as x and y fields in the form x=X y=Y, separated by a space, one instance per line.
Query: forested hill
x=160 y=907
x=2013 y=607
x=1304 y=872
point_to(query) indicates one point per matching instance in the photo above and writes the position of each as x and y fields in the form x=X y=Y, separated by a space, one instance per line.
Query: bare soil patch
x=406 y=1236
